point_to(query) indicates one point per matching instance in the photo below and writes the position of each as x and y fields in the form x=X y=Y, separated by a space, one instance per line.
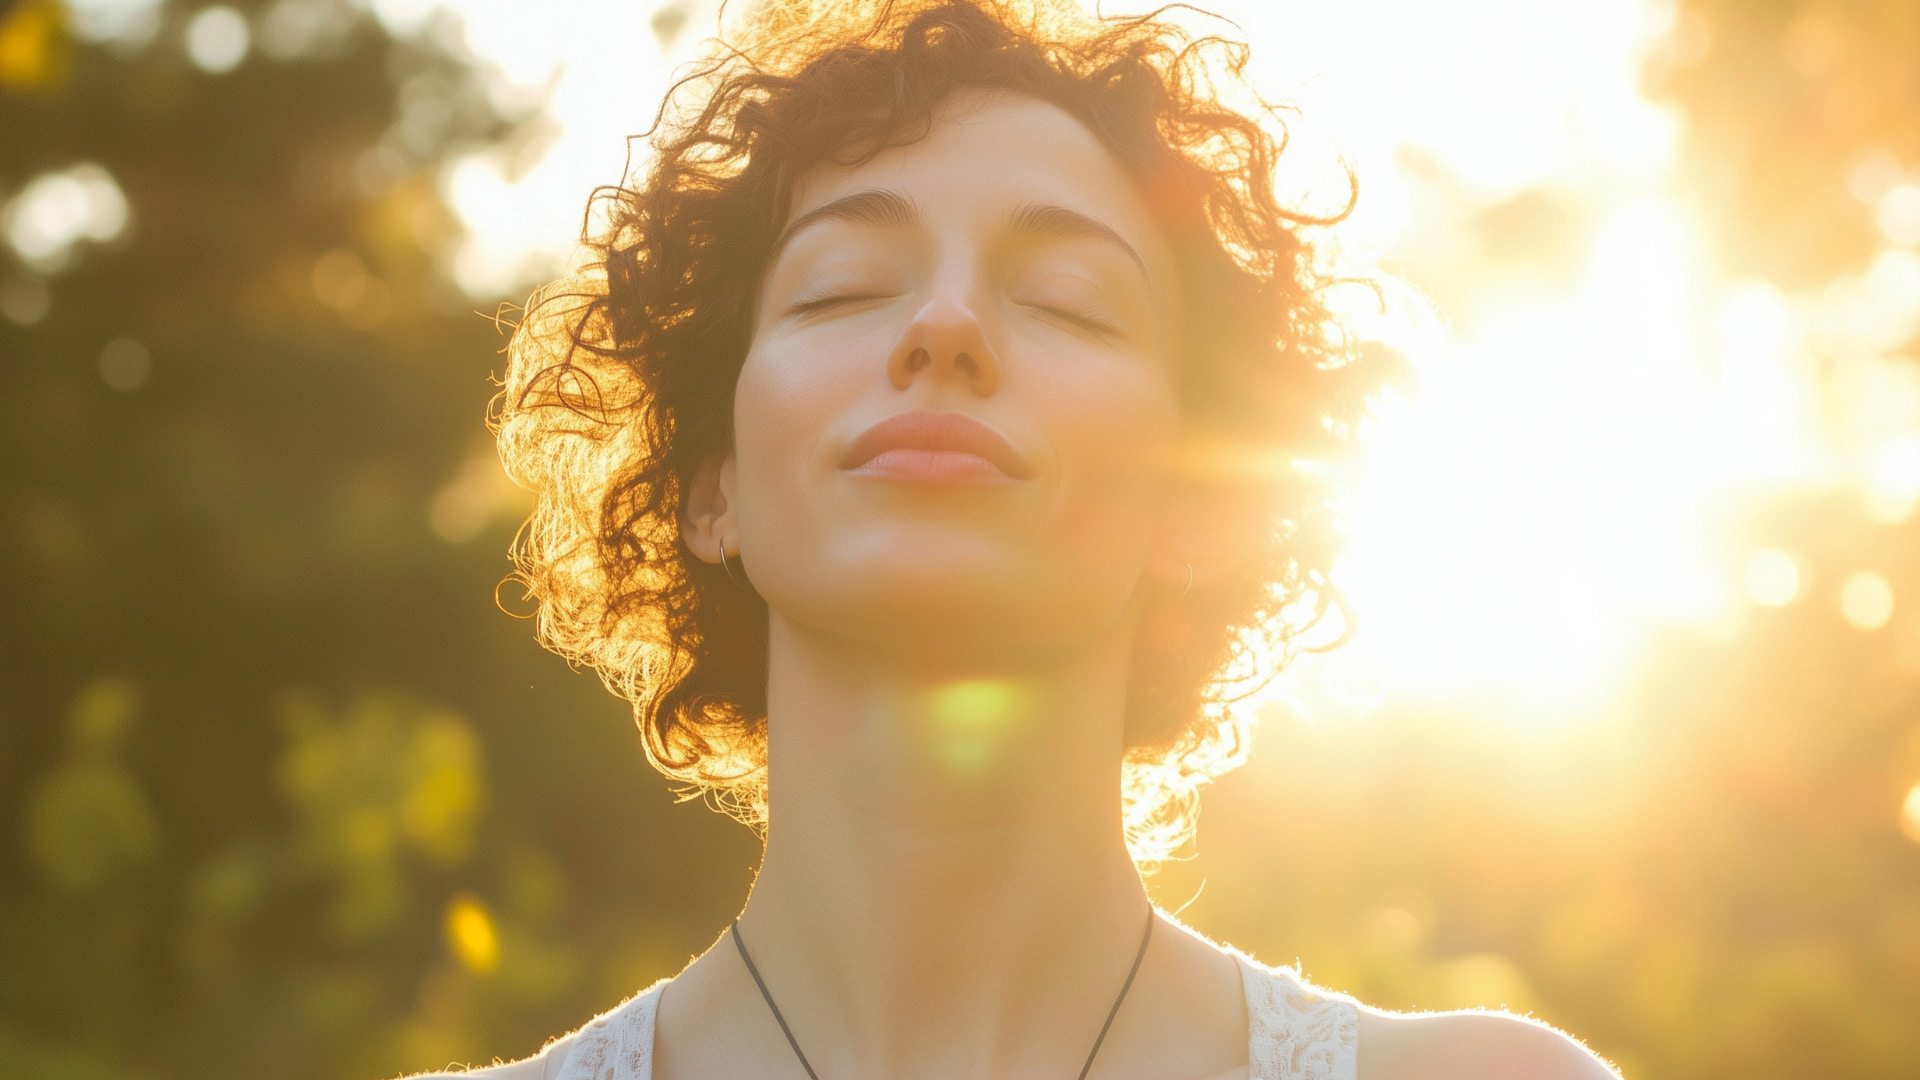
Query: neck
x=945 y=863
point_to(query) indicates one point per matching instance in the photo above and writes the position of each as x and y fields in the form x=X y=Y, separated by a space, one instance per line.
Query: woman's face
x=955 y=423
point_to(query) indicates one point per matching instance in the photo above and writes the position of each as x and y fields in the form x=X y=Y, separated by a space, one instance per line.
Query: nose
x=945 y=342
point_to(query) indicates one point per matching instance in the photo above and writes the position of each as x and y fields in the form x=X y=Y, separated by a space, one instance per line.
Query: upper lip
x=925 y=430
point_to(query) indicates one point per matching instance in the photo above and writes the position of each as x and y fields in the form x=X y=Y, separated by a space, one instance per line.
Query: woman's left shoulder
x=1470 y=1046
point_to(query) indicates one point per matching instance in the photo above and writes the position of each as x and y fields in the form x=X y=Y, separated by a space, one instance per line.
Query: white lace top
x=1295 y=1031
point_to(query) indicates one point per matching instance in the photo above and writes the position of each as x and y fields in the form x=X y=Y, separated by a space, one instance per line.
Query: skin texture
x=946 y=891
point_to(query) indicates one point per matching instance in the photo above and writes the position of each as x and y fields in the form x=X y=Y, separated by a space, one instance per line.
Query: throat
x=923 y=933
x=946 y=877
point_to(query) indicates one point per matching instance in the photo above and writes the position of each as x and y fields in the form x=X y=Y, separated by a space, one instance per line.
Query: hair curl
x=620 y=381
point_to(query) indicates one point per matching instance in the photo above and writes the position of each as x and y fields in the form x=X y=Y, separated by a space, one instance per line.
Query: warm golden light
x=471 y=935
x=1773 y=578
x=1898 y=214
x=1623 y=727
x=1867 y=601
x=1586 y=414
x=1893 y=480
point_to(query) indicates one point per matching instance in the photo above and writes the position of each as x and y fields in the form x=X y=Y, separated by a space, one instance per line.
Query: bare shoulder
x=1471 y=1046
x=544 y=1065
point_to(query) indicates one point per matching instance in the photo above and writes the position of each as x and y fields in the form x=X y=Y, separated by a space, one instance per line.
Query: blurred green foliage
x=282 y=792
x=284 y=795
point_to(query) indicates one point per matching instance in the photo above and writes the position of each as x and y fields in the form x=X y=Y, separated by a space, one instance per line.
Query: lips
x=940 y=446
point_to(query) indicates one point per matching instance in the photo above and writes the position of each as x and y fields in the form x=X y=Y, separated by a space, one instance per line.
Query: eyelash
x=808 y=307
x=1078 y=318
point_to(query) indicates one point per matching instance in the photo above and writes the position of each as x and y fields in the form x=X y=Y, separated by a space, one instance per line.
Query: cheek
x=1115 y=437
x=790 y=394
x=775 y=424
x=769 y=412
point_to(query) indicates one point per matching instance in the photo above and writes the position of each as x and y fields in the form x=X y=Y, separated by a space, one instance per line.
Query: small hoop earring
x=723 y=565
x=1189 y=588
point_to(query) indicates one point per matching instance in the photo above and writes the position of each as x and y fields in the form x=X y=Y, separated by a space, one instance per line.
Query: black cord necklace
x=811 y=1075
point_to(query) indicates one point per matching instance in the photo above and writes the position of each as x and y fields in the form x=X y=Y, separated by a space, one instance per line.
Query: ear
x=1203 y=536
x=707 y=522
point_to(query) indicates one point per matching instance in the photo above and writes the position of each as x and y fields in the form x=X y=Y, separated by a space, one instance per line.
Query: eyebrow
x=1060 y=223
x=878 y=206
x=874 y=206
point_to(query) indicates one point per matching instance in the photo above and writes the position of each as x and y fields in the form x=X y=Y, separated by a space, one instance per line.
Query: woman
x=942 y=449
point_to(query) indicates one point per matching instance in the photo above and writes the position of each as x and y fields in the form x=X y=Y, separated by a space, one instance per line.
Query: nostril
x=918 y=359
x=964 y=362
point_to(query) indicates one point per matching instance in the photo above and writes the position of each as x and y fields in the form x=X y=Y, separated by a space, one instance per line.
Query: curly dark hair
x=621 y=380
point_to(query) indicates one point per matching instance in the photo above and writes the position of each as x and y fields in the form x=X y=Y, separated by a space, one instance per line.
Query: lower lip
x=935 y=465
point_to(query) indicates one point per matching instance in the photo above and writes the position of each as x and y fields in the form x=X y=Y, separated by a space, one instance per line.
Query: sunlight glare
x=522 y=206
x=1541 y=499
x=1764 y=406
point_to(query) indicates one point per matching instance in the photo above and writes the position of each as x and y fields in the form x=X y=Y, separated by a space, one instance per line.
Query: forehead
x=988 y=152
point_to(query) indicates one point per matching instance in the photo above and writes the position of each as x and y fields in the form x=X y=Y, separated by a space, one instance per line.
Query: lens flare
x=975 y=719
x=1893 y=480
x=1866 y=600
x=218 y=39
x=471 y=935
x=1773 y=578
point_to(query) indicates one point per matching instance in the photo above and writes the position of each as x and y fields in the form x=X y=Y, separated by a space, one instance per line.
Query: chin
x=966 y=612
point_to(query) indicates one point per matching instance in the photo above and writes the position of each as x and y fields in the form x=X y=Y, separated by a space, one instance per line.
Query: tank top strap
x=1295 y=1030
x=617 y=1044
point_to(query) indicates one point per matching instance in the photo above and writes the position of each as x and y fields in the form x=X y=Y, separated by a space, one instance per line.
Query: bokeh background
x=1629 y=737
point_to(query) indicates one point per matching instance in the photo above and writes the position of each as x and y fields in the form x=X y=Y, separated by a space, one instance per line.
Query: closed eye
x=1085 y=320
x=823 y=303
